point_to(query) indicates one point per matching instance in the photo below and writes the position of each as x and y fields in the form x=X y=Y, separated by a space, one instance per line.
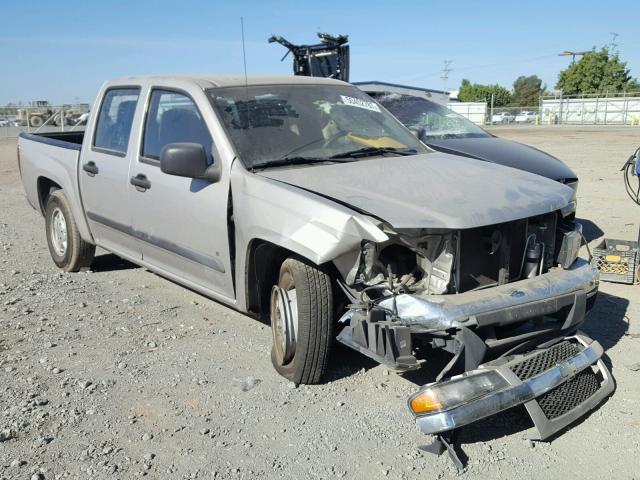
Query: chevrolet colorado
x=300 y=199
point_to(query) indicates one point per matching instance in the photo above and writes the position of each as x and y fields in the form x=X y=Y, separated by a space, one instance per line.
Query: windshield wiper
x=294 y=161
x=340 y=158
x=371 y=151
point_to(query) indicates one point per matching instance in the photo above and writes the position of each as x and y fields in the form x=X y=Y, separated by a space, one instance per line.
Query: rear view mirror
x=188 y=160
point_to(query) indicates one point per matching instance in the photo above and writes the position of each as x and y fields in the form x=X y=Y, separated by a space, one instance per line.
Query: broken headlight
x=443 y=396
x=411 y=261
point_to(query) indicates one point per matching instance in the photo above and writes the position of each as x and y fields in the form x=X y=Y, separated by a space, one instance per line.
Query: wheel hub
x=59 y=232
x=284 y=322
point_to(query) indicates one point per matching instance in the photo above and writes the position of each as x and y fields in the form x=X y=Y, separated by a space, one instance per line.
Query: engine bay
x=427 y=262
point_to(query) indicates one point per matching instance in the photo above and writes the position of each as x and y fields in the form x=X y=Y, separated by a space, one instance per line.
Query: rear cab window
x=115 y=119
x=173 y=117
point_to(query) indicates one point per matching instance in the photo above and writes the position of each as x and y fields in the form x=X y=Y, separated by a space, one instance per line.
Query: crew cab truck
x=302 y=200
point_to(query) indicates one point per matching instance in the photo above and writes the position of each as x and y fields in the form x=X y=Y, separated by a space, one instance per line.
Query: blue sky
x=63 y=50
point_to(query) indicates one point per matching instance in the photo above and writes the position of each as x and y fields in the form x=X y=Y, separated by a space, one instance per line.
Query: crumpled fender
x=303 y=222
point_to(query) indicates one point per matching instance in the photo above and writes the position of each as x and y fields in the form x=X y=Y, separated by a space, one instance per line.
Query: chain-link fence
x=41 y=117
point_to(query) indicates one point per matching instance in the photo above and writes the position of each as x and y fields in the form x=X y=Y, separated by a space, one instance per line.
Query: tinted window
x=172 y=118
x=115 y=119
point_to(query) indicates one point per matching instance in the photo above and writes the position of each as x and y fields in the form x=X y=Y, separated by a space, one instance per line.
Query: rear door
x=181 y=222
x=104 y=172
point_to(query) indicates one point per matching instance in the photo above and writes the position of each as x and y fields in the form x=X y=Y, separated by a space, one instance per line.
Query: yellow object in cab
x=376 y=142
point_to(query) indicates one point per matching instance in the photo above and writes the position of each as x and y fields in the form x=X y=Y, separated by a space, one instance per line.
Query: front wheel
x=36 y=121
x=68 y=250
x=301 y=321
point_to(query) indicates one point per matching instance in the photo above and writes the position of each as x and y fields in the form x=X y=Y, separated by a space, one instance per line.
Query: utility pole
x=613 y=46
x=445 y=73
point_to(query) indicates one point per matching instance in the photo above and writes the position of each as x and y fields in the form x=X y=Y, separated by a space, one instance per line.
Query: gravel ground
x=118 y=373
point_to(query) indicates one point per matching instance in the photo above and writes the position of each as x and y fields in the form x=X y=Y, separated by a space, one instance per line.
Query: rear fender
x=40 y=160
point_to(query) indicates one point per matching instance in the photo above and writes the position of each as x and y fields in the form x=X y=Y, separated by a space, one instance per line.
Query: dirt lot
x=118 y=373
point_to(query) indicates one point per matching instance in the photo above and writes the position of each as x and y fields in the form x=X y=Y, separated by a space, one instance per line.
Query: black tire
x=36 y=121
x=315 y=323
x=78 y=253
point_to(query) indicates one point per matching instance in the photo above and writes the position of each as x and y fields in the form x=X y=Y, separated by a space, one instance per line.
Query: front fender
x=297 y=220
x=292 y=218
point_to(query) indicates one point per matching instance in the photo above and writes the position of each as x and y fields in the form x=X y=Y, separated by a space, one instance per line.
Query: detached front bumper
x=557 y=384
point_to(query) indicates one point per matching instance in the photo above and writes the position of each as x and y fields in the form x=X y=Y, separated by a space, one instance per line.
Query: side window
x=172 y=118
x=114 y=121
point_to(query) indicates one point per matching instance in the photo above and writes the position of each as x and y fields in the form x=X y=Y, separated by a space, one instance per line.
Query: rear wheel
x=301 y=321
x=68 y=250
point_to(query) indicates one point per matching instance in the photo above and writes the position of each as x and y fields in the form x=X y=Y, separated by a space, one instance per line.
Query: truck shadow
x=510 y=422
x=346 y=362
x=108 y=262
x=607 y=322
x=590 y=230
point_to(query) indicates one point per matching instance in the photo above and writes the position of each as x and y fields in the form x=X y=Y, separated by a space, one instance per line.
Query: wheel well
x=46 y=187
x=263 y=267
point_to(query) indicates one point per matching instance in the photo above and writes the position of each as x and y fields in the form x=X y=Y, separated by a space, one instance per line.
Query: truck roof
x=209 y=81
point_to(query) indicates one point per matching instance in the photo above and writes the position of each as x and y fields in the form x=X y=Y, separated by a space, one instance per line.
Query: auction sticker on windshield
x=358 y=102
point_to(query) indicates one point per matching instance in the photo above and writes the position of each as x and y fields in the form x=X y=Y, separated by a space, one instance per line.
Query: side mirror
x=188 y=160
x=418 y=132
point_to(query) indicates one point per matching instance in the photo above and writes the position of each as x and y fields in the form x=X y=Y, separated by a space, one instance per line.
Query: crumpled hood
x=506 y=152
x=433 y=190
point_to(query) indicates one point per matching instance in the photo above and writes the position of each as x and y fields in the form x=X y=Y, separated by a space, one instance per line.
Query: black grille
x=545 y=360
x=569 y=395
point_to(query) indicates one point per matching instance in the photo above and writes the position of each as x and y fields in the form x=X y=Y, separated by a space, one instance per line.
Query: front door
x=181 y=222
x=104 y=173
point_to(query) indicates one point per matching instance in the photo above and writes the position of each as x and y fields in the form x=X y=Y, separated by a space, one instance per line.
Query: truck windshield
x=272 y=125
x=434 y=121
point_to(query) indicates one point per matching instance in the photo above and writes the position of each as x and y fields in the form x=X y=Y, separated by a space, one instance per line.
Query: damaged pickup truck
x=303 y=201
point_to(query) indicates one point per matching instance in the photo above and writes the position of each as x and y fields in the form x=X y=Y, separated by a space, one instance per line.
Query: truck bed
x=72 y=140
x=49 y=161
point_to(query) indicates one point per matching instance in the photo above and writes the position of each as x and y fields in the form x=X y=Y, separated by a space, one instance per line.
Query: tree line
x=600 y=72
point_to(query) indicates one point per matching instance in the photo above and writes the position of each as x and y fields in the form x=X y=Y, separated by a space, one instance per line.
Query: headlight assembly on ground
x=447 y=395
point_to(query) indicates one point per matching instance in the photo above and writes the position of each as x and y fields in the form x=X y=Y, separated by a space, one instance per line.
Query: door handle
x=141 y=182
x=91 y=168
